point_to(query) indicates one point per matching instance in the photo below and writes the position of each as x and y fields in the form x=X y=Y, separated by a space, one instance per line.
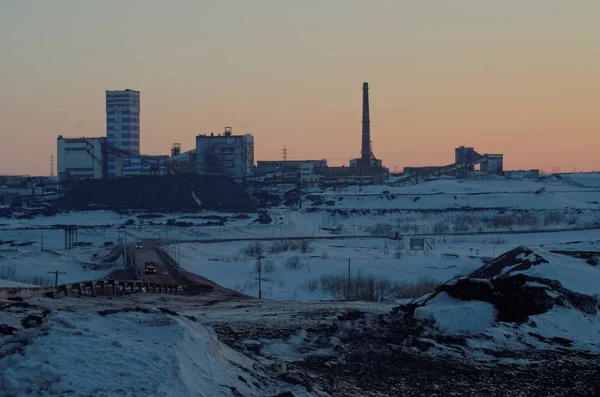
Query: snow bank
x=456 y=317
x=583 y=329
x=128 y=354
x=12 y=284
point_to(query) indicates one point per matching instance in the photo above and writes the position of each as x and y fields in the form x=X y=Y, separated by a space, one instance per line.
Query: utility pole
x=259 y=257
x=42 y=240
x=56 y=273
x=125 y=248
x=348 y=287
x=51 y=164
x=284 y=153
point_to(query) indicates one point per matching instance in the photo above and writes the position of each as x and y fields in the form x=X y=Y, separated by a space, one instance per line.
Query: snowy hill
x=526 y=297
x=580 y=190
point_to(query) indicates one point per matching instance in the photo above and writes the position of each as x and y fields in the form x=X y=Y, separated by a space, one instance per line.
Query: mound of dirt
x=158 y=193
x=520 y=296
x=514 y=294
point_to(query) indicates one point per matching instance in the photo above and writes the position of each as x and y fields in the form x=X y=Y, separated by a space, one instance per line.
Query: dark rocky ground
x=385 y=355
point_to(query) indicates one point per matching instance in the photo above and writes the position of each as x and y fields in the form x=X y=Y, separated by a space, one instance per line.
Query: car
x=151 y=268
x=138 y=246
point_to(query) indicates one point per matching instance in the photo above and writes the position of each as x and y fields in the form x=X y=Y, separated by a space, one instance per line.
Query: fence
x=113 y=287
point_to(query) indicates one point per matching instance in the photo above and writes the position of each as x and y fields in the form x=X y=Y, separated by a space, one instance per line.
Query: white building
x=225 y=154
x=81 y=158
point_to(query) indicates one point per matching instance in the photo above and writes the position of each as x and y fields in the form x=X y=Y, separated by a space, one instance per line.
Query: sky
x=516 y=77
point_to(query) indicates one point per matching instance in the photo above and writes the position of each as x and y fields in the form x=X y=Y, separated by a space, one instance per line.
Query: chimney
x=365 y=158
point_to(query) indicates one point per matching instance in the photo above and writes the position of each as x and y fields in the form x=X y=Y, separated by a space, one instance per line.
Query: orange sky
x=512 y=77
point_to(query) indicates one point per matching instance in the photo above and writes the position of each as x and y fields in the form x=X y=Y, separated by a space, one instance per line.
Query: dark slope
x=156 y=193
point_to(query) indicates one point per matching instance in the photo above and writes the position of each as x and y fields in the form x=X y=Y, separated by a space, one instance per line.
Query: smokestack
x=365 y=158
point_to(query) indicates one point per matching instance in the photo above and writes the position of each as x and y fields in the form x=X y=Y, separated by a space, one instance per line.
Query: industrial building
x=300 y=173
x=364 y=170
x=225 y=154
x=467 y=164
x=181 y=163
x=86 y=158
x=116 y=155
x=123 y=130
x=277 y=165
x=374 y=163
x=81 y=158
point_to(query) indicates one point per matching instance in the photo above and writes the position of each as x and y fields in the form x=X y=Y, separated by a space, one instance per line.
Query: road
x=166 y=274
x=169 y=272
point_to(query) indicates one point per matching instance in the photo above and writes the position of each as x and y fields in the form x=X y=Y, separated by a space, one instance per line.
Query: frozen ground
x=80 y=350
x=31 y=266
x=481 y=222
x=203 y=346
x=223 y=263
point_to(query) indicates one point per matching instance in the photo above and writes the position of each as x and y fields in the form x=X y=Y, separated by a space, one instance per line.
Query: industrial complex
x=117 y=155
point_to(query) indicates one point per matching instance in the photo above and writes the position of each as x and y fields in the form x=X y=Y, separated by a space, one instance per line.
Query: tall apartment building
x=123 y=130
x=225 y=154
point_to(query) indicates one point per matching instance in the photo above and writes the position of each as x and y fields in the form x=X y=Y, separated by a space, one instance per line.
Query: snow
x=583 y=329
x=449 y=193
x=28 y=263
x=79 y=351
x=580 y=329
x=573 y=273
x=128 y=354
x=534 y=284
x=575 y=195
x=11 y=284
x=456 y=317
x=196 y=199
x=218 y=262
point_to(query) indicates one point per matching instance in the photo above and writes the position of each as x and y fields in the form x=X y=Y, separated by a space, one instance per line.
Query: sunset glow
x=513 y=77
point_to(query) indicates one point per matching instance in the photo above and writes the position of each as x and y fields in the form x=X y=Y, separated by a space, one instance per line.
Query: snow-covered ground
x=140 y=346
x=81 y=351
x=461 y=221
x=460 y=255
x=31 y=266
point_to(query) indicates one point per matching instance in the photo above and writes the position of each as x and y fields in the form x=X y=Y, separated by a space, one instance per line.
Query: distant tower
x=284 y=153
x=51 y=164
x=123 y=129
x=365 y=155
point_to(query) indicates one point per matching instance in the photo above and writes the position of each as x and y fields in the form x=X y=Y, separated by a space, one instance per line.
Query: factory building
x=270 y=166
x=374 y=163
x=181 y=163
x=86 y=158
x=466 y=159
x=492 y=164
x=123 y=130
x=225 y=154
x=81 y=158
x=145 y=164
